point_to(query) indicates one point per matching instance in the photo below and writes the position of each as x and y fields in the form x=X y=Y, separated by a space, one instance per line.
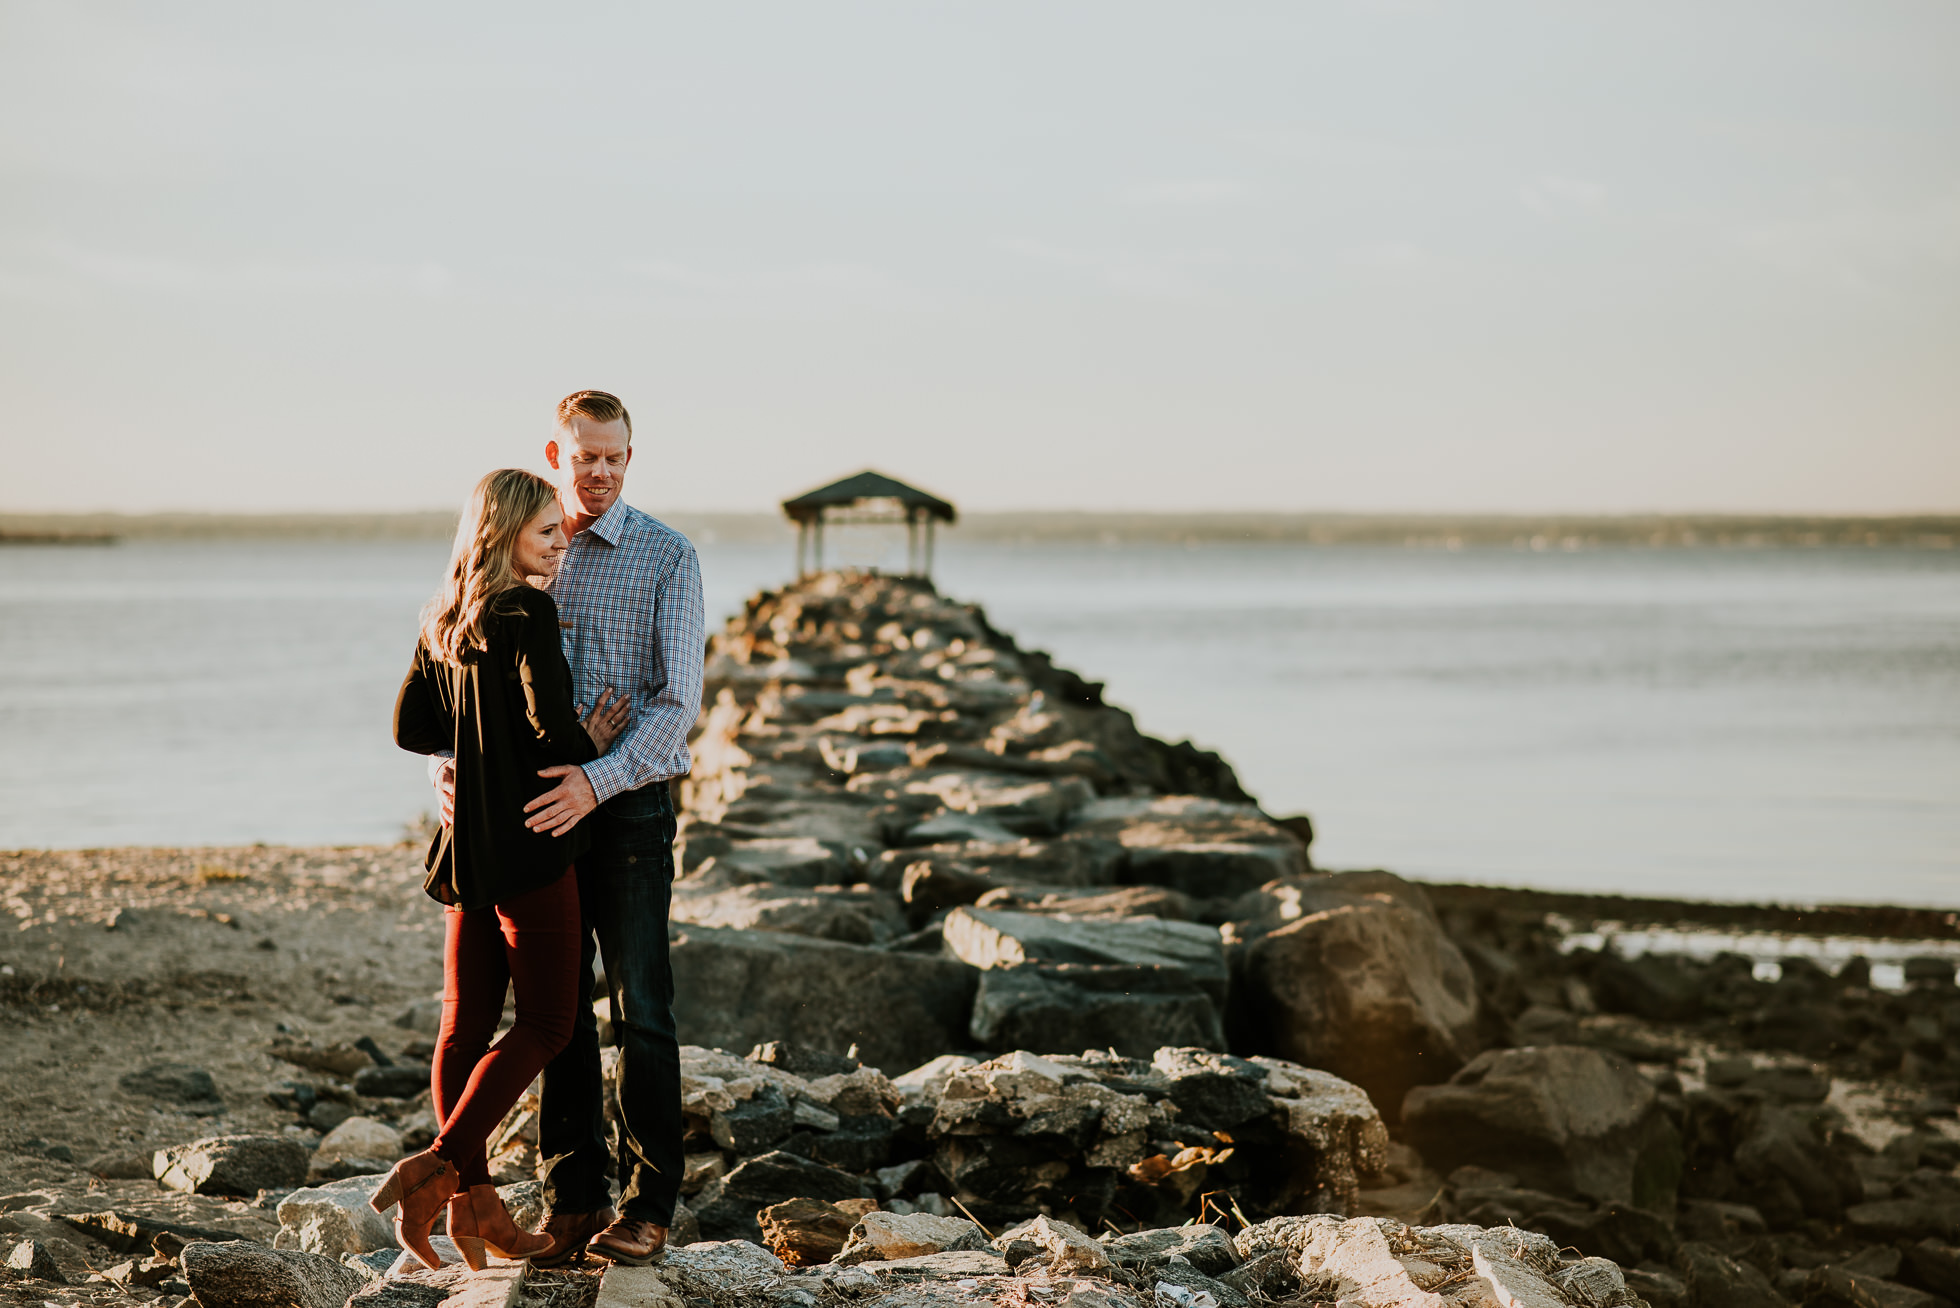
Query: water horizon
x=1720 y=724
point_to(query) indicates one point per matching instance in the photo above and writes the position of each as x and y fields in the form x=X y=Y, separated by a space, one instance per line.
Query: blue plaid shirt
x=629 y=610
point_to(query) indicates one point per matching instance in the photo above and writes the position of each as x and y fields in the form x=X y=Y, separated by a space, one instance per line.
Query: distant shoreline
x=1432 y=531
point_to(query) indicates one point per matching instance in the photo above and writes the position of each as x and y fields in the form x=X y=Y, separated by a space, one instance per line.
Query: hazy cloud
x=1196 y=194
x=1859 y=246
x=1152 y=273
x=798 y=286
x=48 y=263
x=1560 y=197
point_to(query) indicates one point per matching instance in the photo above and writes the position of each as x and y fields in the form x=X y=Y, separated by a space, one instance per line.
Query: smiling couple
x=557 y=833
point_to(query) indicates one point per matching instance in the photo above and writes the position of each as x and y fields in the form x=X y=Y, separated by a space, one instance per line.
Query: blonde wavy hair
x=481 y=564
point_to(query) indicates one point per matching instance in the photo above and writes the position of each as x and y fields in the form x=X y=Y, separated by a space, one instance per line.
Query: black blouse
x=507 y=712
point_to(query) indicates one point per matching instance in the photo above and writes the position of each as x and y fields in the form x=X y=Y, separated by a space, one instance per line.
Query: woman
x=489 y=681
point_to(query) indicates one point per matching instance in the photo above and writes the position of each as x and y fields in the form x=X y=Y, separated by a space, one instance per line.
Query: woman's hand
x=607 y=719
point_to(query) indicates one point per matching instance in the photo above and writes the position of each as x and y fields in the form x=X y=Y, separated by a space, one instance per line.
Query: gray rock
x=400 y=1294
x=685 y=1228
x=736 y=989
x=32 y=1259
x=1207 y=1248
x=856 y=918
x=1133 y=1009
x=1715 y=1280
x=423 y=1016
x=133 y=1233
x=727 y=1206
x=235 y=1165
x=1203 y=847
x=1215 y=1092
x=1179 y=1273
x=1351 y=972
x=990 y=938
x=1564 y=1119
x=800 y=1060
x=1070 y=1252
x=334 y=1219
x=1658 y=1287
x=1268 y=1276
x=1904 y=1219
x=1840 y=1285
x=782 y=860
x=1654 y=986
x=885 y=1237
x=401 y=1081
x=1023 y=805
x=124 y=1166
x=177 y=1083
x=757 y=1123
x=1935 y=1266
x=240 y=1274
x=1792 y=1171
x=711 y=1271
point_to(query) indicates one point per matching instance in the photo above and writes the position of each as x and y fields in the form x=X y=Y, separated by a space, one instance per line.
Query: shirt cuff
x=605 y=776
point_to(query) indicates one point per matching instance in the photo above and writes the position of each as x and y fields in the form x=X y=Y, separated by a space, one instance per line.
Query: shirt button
x=632 y=858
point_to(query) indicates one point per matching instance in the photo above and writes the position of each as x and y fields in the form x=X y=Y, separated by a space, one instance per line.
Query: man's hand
x=564 y=804
x=446 y=792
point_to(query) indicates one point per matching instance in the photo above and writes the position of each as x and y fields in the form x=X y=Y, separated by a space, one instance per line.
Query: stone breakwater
x=1037 y=1011
x=906 y=833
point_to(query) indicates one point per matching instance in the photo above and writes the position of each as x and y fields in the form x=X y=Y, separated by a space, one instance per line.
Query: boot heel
x=472 y=1250
x=388 y=1195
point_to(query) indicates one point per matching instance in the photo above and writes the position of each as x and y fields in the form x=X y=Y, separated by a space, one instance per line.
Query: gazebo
x=869 y=497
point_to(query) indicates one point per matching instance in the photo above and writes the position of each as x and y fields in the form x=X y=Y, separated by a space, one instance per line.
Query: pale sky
x=1337 y=256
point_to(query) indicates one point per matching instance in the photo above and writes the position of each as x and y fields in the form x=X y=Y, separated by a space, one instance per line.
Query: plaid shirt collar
x=611 y=525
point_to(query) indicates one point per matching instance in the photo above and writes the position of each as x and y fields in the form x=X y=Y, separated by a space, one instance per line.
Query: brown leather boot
x=422 y=1184
x=568 y=1233
x=630 y=1241
x=479 y=1220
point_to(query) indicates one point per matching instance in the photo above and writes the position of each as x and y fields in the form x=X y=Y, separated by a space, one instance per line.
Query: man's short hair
x=596 y=405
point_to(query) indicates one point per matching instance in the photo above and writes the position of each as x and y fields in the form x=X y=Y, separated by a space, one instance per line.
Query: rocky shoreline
x=990 y=997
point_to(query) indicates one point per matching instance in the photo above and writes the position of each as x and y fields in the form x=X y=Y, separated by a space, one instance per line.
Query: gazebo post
x=926 y=572
x=816 y=536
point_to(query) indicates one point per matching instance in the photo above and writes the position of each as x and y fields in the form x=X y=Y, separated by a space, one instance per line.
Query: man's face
x=590 y=459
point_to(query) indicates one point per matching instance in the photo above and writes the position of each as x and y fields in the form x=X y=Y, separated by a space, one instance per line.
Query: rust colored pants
x=532 y=943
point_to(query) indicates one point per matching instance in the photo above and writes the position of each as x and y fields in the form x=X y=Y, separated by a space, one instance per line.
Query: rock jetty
x=990 y=998
x=905 y=833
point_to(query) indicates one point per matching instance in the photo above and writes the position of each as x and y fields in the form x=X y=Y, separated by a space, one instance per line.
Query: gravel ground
x=121 y=958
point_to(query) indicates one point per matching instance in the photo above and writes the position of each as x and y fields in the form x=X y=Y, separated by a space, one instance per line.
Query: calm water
x=1721 y=724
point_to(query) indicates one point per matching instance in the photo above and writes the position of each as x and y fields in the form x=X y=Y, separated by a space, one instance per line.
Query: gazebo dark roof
x=866 y=486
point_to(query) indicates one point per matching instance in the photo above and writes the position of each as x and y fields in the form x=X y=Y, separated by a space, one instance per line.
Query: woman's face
x=540 y=545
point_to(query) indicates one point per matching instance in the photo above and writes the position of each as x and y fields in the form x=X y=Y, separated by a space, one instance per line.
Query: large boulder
x=359 y=1146
x=240 y=1274
x=852 y=916
x=989 y=938
x=1133 y=1009
x=1019 y=804
x=727 y=1206
x=238 y=1166
x=334 y=1219
x=1351 y=972
x=737 y=989
x=1203 y=847
x=1564 y=1119
x=885 y=1237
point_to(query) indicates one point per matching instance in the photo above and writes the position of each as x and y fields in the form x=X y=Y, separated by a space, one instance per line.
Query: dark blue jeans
x=625 y=886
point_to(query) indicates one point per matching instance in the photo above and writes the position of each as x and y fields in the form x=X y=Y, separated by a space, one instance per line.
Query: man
x=629 y=605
